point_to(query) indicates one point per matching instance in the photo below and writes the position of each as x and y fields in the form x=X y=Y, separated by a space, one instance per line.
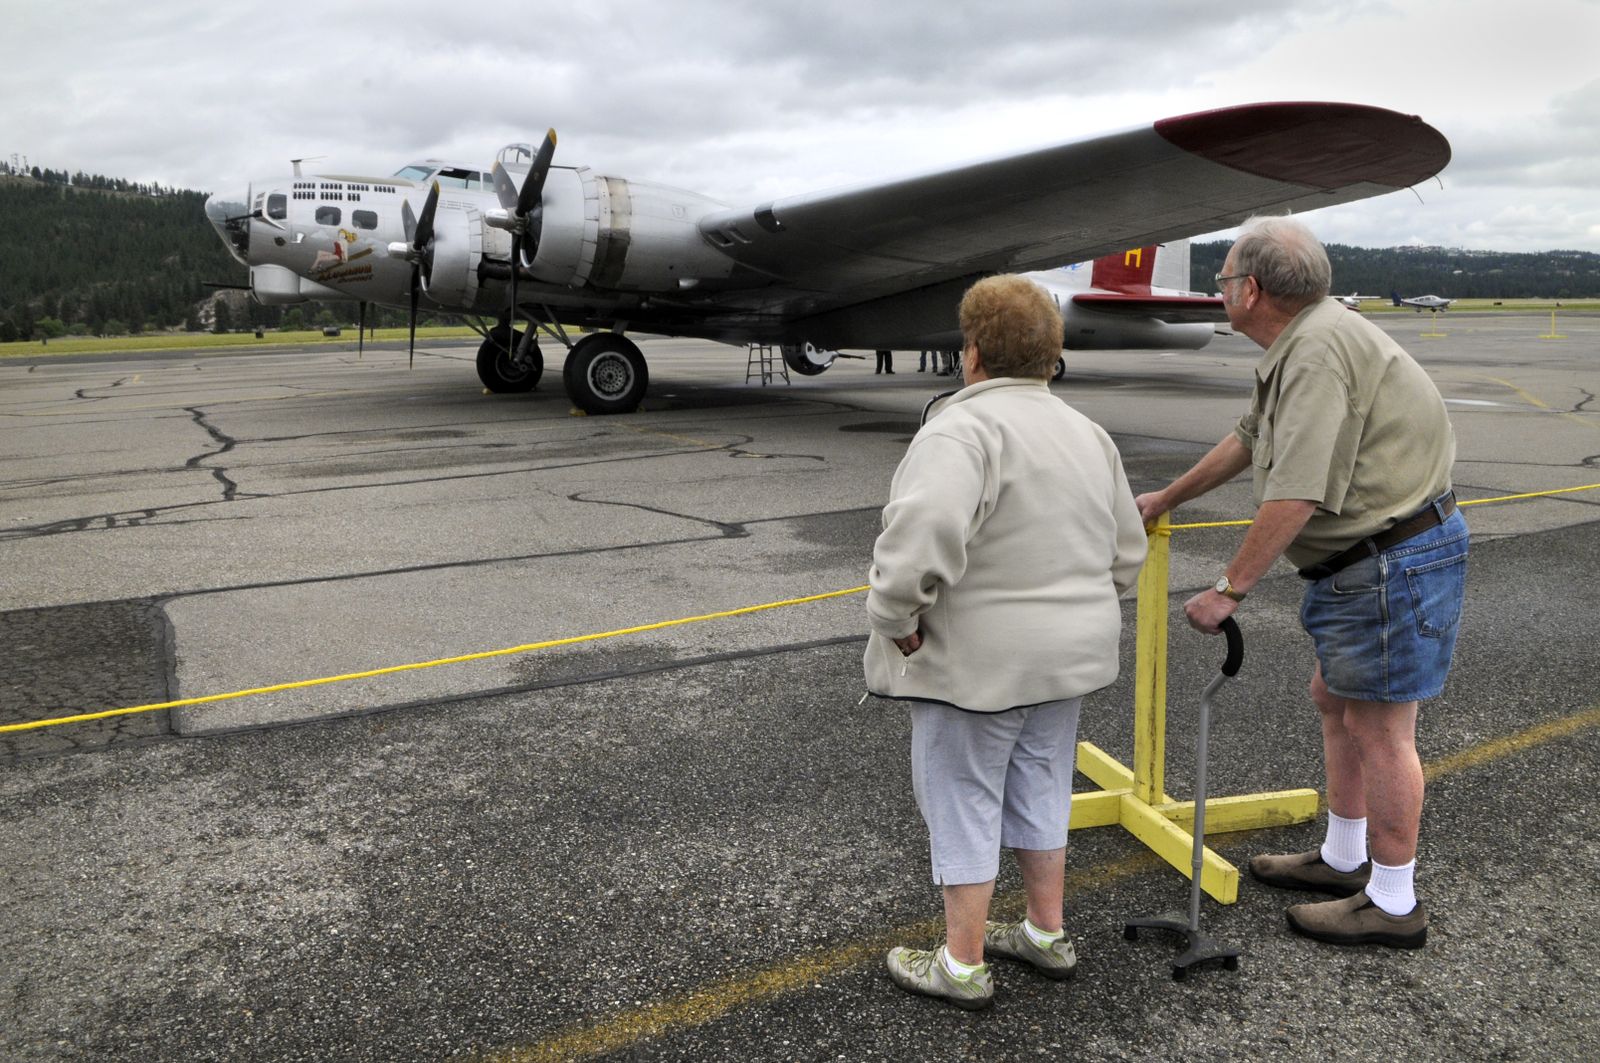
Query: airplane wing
x=1178 y=177
x=1173 y=309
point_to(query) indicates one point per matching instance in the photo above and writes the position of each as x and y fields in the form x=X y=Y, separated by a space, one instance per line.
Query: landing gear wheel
x=605 y=373
x=806 y=359
x=497 y=369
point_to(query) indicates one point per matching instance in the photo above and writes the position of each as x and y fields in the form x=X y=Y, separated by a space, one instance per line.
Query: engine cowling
x=619 y=235
x=450 y=265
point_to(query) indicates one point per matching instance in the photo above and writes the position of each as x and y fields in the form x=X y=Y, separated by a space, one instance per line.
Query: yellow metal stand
x=1135 y=799
x=1552 y=334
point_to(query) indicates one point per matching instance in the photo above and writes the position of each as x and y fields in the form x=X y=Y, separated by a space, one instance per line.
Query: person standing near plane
x=1009 y=535
x=1350 y=451
x=885 y=362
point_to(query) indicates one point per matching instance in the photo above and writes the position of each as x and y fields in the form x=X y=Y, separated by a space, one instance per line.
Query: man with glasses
x=1350 y=450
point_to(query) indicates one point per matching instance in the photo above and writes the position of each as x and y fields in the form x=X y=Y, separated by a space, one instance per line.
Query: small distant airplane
x=1419 y=303
x=539 y=248
x=1354 y=301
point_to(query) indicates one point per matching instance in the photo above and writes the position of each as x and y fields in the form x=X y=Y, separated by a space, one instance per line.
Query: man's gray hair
x=1285 y=259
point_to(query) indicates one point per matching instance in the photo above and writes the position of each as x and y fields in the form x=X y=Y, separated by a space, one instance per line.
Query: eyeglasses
x=1220 y=279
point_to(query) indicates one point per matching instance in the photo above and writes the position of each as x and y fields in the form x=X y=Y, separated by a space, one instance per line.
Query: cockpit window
x=327 y=215
x=454 y=177
x=413 y=173
x=364 y=219
x=277 y=206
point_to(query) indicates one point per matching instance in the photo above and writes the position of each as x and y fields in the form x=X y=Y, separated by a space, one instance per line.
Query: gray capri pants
x=991 y=780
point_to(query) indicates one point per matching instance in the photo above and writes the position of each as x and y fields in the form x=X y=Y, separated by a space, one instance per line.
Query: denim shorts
x=1385 y=627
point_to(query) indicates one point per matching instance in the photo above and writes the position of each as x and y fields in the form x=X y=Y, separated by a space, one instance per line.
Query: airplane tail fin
x=1129 y=272
x=1138 y=270
x=1396 y=297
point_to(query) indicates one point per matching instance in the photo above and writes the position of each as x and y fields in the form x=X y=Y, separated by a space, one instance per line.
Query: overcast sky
x=749 y=101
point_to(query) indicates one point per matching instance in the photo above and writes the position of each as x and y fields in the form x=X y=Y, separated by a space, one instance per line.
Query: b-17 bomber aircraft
x=537 y=247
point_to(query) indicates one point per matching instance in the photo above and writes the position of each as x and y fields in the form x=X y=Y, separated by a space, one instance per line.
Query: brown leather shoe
x=1307 y=871
x=1356 y=920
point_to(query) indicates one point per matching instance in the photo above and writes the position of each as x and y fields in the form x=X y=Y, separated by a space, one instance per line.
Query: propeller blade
x=408 y=219
x=531 y=202
x=504 y=189
x=424 y=233
x=533 y=187
x=411 y=349
x=511 y=318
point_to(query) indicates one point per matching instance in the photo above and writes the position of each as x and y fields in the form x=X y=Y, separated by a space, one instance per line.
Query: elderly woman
x=1009 y=535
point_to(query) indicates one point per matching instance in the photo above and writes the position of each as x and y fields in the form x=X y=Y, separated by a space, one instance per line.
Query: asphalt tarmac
x=696 y=842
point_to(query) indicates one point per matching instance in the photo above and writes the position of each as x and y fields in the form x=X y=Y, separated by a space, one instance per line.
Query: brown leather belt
x=1374 y=545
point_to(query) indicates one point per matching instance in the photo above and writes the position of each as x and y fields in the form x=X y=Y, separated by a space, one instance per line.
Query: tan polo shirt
x=1342 y=416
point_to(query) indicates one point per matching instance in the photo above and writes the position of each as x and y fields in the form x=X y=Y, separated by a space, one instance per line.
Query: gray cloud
x=747 y=100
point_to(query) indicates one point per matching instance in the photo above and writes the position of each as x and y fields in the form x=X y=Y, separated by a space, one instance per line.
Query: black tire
x=499 y=373
x=806 y=359
x=1061 y=370
x=605 y=373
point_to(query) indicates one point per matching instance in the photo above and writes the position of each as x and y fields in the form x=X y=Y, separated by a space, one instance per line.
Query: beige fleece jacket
x=1009 y=535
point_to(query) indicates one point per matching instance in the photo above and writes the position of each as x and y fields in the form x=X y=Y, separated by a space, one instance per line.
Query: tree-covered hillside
x=94 y=255
x=1450 y=272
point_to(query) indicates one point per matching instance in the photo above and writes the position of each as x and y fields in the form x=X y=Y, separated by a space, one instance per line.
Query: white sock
x=1346 y=846
x=1042 y=938
x=1391 y=887
x=957 y=969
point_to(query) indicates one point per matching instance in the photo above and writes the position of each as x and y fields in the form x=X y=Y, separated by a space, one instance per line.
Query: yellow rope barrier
x=1472 y=502
x=33 y=725
x=371 y=673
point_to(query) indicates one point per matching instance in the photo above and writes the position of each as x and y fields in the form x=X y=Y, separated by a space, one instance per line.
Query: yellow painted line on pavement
x=1496 y=748
x=725 y=995
x=1587 y=422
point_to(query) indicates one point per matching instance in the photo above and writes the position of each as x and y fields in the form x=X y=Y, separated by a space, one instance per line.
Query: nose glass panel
x=230 y=216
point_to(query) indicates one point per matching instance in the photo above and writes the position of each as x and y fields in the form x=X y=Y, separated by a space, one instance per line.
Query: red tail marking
x=1126 y=271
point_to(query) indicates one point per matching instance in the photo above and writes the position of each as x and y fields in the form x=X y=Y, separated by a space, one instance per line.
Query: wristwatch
x=1225 y=588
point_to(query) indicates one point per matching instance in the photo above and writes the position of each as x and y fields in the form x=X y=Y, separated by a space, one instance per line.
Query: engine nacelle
x=450 y=269
x=619 y=235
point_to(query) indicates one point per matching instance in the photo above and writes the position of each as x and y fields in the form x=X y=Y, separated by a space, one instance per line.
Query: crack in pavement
x=728 y=529
x=230 y=487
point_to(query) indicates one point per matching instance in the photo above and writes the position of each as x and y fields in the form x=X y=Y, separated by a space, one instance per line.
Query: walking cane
x=1201 y=949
